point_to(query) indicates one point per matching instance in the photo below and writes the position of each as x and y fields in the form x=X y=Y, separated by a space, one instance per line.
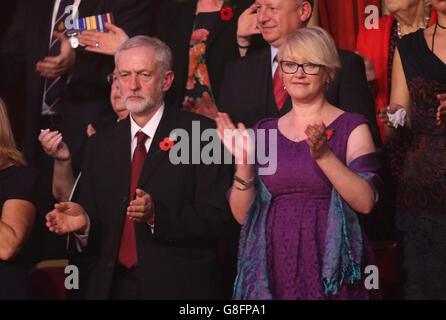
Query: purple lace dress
x=296 y=223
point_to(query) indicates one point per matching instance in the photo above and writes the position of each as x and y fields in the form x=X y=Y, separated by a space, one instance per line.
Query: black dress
x=177 y=21
x=421 y=202
x=16 y=182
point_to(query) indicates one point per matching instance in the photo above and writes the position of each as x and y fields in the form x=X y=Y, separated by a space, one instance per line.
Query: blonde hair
x=8 y=149
x=315 y=45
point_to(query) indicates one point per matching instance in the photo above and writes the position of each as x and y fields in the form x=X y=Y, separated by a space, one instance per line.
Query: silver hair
x=163 y=54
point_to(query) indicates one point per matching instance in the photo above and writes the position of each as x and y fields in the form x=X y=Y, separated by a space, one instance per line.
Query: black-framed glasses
x=111 y=78
x=291 y=67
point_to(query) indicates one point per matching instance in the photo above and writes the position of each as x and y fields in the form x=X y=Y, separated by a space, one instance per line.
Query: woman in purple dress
x=300 y=235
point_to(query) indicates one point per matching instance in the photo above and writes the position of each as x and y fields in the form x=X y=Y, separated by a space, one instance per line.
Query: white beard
x=144 y=105
x=136 y=106
x=139 y=106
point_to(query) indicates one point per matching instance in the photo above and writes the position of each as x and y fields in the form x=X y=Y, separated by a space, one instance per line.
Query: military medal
x=74 y=41
x=96 y=23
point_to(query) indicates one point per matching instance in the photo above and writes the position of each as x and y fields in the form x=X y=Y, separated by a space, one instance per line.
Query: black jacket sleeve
x=351 y=93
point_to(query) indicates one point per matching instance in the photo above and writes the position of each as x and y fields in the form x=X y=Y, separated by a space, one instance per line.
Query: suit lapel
x=155 y=154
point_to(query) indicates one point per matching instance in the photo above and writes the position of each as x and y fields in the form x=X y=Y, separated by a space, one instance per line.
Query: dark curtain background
x=13 y=96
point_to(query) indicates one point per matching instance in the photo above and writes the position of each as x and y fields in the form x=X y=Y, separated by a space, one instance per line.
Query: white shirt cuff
x=82 y=239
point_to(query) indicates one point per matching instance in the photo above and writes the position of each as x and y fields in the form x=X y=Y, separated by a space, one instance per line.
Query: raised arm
x=246 y=28
x=63 y=178
x=353 y=189
x=241 y=194
x=399 y=98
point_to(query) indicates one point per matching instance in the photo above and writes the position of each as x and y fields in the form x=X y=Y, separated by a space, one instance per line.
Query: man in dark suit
x=82 y=93
x=248 y=95
x=165 y=246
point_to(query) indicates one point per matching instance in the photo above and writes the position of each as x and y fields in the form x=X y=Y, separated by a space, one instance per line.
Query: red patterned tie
x=279 y=89
x=127 y=252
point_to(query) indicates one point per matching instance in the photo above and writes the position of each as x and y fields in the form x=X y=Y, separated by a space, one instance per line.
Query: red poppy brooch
x=329 y=133
x=168 y=142
x=226 y=12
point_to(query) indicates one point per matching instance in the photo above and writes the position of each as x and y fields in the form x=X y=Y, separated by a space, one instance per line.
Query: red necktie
x=279 y=89
x=127 y=252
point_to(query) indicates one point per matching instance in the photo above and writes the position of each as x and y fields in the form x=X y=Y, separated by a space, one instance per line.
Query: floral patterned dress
x=198 y=80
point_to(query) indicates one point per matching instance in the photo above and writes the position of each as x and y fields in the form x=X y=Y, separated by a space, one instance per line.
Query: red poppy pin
x=329 y=133
x=166 y=144
x=226 y=13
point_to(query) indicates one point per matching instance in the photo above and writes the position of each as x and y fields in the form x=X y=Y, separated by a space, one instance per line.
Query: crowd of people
x=351 y=135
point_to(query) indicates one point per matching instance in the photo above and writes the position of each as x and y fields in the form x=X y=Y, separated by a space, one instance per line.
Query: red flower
x=329 y=133
x=166 y=144
x=198 y=35
x=226 y=13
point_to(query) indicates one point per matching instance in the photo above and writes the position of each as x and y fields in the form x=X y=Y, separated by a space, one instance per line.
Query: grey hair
x=163 y=54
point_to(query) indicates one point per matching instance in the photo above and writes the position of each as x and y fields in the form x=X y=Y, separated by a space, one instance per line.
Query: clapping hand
x=66 y=217
x=236 y=140
x=142 y=209
x=441 y=111
x=204 y=106
x=317 y=140
x=58 y=65
x=103 y=42
x=391 y=108
x=53 y=145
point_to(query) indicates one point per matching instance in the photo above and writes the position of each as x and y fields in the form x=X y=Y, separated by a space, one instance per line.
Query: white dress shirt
x=149 y=129
x=274 y=63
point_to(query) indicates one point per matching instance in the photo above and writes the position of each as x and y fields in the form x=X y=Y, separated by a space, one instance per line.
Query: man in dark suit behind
x=180 y=211
x=82 y=97
x=247 y=94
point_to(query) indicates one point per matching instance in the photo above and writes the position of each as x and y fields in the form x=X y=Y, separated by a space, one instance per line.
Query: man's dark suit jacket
x=247 y=93
x=85 y=99
x=177 y=261
x=175 y=25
